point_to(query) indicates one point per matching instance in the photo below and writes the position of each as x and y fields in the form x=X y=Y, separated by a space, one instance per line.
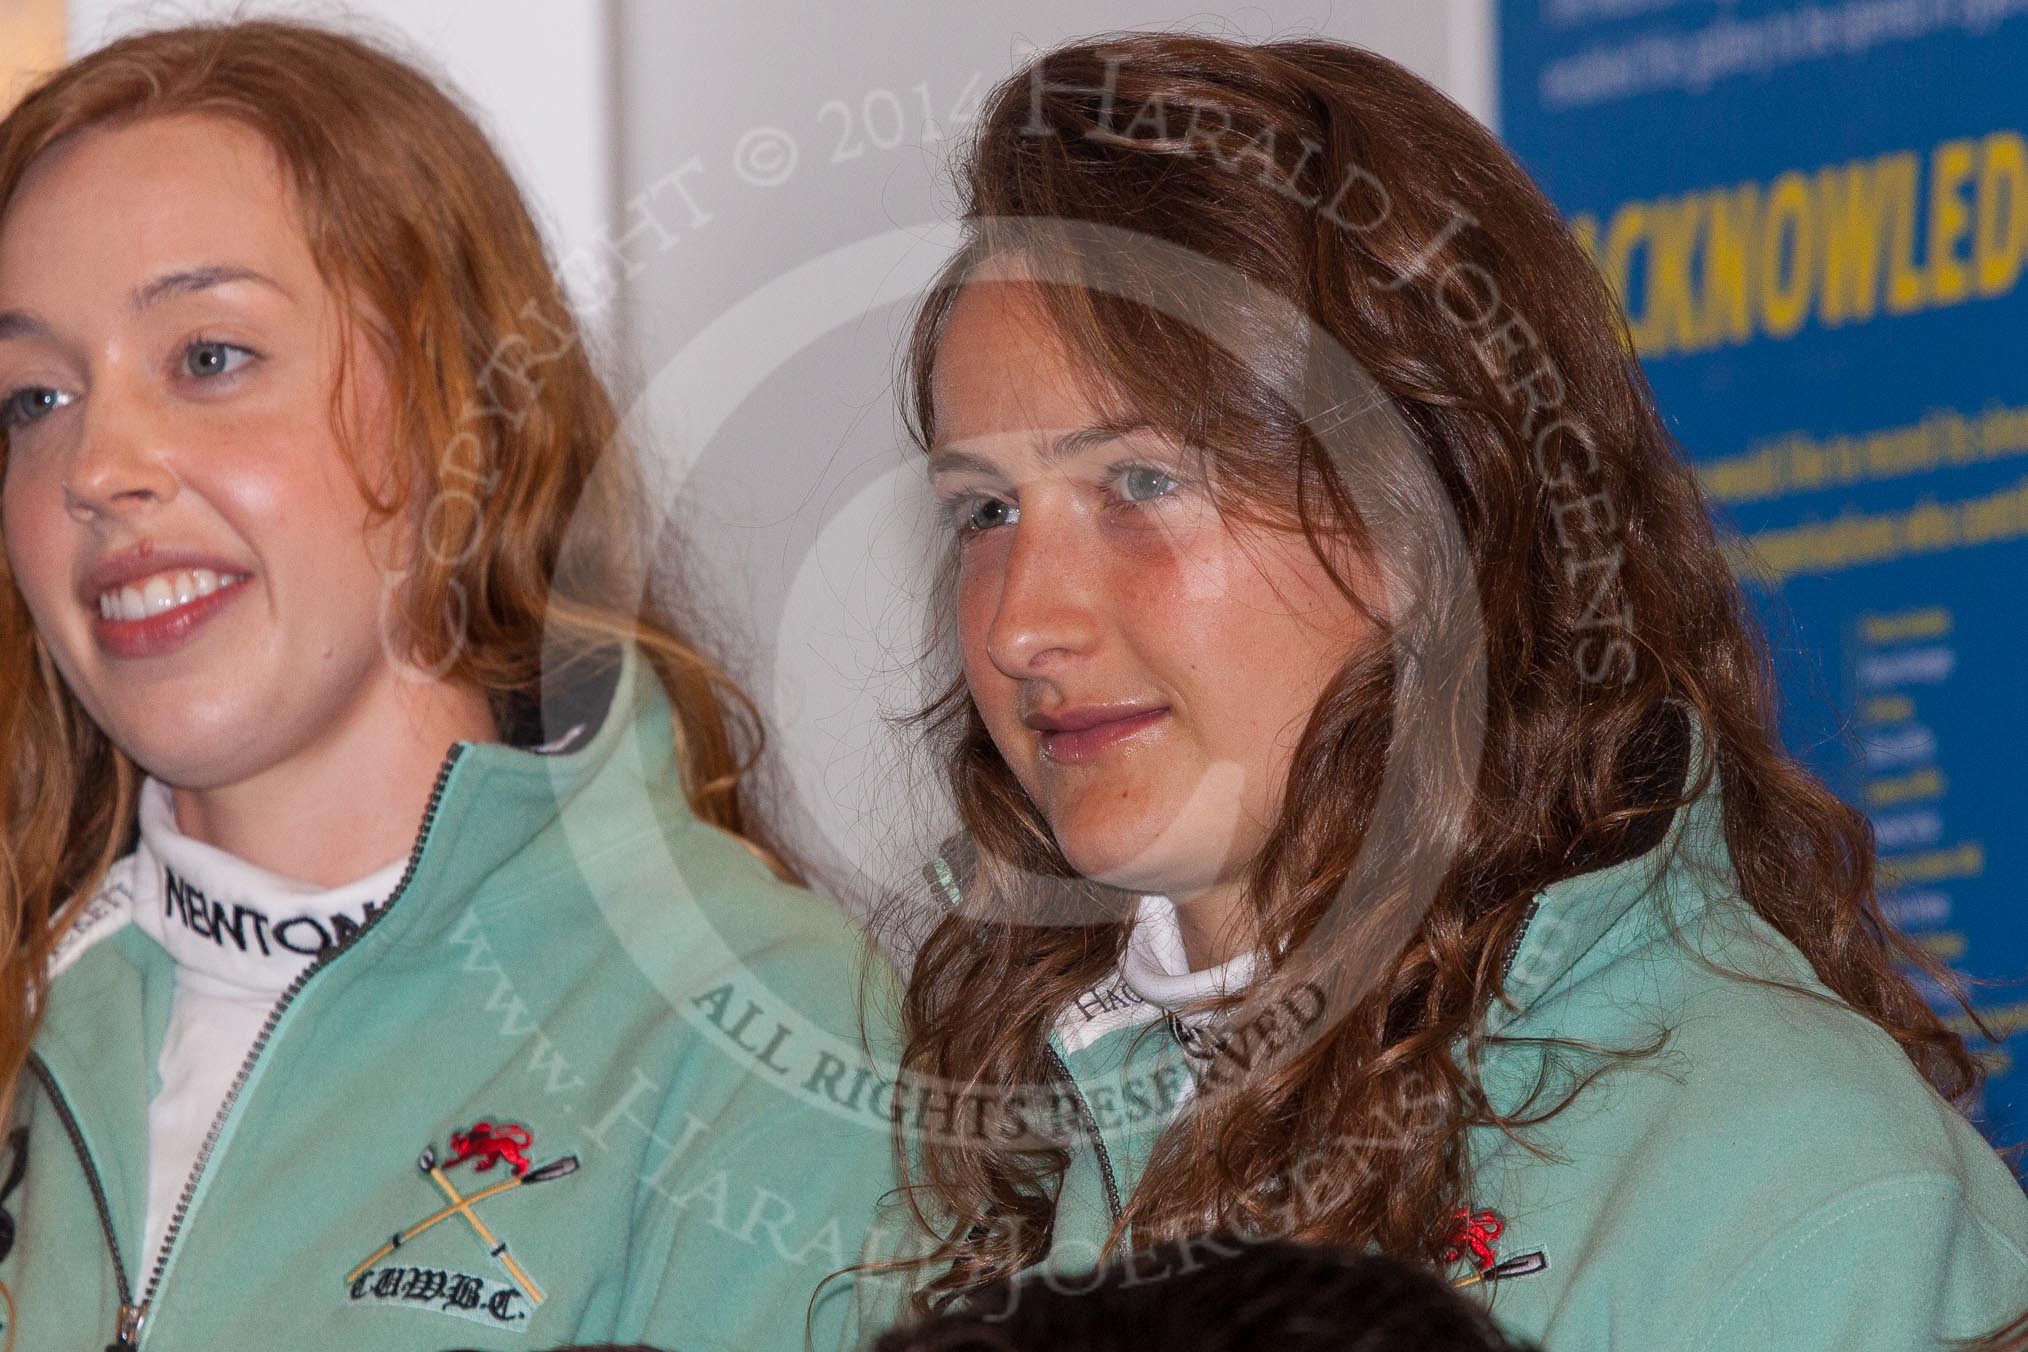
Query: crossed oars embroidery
x=484 y=1146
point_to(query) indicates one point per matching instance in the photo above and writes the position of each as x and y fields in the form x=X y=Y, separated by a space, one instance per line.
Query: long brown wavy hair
x=505 y=433
x=1615 y=640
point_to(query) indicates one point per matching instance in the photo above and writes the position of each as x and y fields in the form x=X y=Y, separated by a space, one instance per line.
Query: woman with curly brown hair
x=1375 y=828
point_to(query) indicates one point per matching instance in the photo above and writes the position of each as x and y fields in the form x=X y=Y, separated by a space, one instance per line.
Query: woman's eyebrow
x=186 y=281
x=960 y=462
x=1087 y=438
x=1064 y=447
x=15 y=324
x=21 y=324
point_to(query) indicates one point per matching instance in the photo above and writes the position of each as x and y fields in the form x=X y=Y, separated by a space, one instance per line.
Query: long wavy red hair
x=506 y=432
x=1363 y=198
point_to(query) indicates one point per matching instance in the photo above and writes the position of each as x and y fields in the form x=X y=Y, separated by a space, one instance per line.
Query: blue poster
x=1817 y=217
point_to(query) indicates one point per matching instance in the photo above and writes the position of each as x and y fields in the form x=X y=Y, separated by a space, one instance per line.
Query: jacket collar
x=610 y=756
x=1568 y=919
x=616 y=745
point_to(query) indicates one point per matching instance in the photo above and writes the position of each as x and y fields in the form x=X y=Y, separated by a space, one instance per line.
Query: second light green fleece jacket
x=1777 y=1178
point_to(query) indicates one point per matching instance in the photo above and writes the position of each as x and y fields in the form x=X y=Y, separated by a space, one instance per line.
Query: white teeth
x=163 y=592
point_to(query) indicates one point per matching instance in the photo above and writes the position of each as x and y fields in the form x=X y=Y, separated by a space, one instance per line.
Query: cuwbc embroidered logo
x=485 y=1146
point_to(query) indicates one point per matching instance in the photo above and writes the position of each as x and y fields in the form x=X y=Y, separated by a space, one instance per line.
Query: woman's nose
x=1051 y=594
x=120 y=463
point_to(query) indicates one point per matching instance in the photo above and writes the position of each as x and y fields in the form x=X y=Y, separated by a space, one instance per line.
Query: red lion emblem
x=1475 y=1230
x=487 y=1143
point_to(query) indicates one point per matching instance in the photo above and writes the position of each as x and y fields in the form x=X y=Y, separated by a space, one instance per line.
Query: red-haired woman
x=1375 y=831
x=391 y=956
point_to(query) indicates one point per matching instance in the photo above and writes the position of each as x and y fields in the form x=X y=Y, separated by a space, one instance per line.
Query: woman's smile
x=151 y=601
x=1081 y=734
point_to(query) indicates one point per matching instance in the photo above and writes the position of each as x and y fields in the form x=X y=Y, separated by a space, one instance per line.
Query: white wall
x=538 y=75
x=782 y=187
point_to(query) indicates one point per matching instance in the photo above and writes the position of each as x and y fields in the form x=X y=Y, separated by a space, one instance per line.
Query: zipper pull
x=127 y=1332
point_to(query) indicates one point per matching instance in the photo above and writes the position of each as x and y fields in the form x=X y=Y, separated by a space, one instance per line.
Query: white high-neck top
x=1154 y=978
x=239 y=935
x=1158 y=970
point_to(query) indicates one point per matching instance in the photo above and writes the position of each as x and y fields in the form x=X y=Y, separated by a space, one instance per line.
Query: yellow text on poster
x=1825 y=245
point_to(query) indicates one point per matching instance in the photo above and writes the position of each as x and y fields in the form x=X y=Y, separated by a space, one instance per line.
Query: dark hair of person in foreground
x=1216 y=1293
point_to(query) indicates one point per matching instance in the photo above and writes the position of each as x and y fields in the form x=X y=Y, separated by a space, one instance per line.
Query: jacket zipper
x=1091 y=1128
x=127 y=1330
x=1090 y=1122
x=128 y=1319
x=1520 y=933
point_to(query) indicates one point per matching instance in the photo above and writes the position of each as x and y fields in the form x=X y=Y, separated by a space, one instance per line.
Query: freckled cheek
x=270 y=483
x=32 y=515
x=1176 y=607
x=1250 y=665
x=1188 y=560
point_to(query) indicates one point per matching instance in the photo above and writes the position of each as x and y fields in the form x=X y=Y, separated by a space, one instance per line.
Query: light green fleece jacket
x=664 y=1036
x=1776 y=1177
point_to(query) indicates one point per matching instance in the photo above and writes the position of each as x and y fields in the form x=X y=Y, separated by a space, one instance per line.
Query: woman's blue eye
x=206 y=360
x=30 y=405
x=1144 y=483
x=983 y=514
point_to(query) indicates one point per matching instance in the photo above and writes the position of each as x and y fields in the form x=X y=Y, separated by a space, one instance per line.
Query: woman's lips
x=1075 y=746
x=163 y=633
